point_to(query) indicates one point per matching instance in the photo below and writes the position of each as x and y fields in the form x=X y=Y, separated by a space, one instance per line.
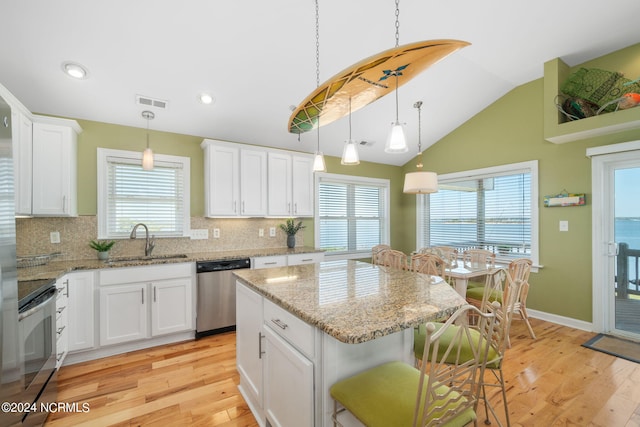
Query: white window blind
x=158 y=198
x=352 y=214
x=488 y=209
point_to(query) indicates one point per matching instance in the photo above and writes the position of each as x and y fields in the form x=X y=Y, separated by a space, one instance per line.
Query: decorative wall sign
x=366 y=81
x=564 y=199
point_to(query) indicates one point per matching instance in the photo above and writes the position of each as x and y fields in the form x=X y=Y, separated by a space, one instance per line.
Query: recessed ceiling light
x=206 y=98
x=75 y=70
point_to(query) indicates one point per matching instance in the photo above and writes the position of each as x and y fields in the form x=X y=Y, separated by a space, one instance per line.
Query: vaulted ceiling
x=258 y=58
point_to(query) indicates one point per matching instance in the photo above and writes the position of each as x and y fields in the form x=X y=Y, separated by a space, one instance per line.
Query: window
x=352 y=214
x=494 y=208
x=127 y=194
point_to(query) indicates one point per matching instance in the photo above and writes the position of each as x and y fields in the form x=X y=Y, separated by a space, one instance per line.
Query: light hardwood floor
x=551 y=381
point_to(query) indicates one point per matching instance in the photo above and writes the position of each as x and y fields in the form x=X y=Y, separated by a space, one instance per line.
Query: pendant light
x=147 y=155
x=396 y=141
x=318 y=161
x=420 y=182
x=350 y=151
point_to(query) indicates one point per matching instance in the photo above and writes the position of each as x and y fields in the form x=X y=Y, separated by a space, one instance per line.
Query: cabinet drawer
x=299 y=333
x=310 y=258
x=269 y=261
x=117 y=276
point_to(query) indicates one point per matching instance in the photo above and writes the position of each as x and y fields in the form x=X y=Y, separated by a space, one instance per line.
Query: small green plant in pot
x=102 y=247
x=291 y=228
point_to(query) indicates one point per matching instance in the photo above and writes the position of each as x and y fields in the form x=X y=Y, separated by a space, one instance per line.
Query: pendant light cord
x=397 y=23
x=318 y=65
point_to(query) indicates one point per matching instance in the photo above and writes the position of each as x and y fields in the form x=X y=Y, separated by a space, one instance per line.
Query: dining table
x=462 y=273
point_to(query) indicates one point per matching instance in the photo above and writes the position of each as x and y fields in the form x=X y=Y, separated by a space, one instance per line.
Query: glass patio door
x=616 y=242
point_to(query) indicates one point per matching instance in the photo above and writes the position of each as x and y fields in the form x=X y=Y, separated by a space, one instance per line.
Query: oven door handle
x=38 y=307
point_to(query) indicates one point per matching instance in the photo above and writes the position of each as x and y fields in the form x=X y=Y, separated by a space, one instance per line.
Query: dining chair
x=521 y=269
x=444 y=392
x=447 y=253
x=493 y=375
x=428 y=264
x=376 y=253
x=476 y=258
x=394 y=259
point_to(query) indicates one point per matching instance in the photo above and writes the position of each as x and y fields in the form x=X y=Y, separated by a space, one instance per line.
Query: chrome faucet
x=149 y=244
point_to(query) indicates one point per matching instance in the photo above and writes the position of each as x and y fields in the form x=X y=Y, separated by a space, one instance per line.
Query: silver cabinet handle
x=61 y=309
x=295 y=208
x=142 y=295
x=307 y=259
x=66 y=284
x=154 y=294
x=64 y=204
x=59 y=358
x=279 y=323
x=60 y=329
x=260 y=352
x=271 y=263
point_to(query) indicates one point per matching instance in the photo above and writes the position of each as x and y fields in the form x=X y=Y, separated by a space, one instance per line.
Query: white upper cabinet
x=250 y=181
x=253 y=182
x=22 y=158
x=55 y=167
x=221 y=179
x=302 y=185
x=280 y=183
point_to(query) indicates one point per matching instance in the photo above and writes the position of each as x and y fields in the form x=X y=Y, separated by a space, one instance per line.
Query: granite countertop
x=57 y=269
x=354 y=301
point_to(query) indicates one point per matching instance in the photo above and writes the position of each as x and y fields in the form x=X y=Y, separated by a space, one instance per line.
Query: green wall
x=508 y=131
x=511 y=130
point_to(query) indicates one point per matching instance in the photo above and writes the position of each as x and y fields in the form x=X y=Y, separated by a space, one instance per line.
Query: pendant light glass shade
x=420 y=182
x=350 y=153
x=147 y=154
x=396 y=141
x=318 y=162
x=147 y=159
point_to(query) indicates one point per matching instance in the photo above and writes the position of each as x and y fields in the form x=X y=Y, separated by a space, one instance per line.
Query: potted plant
x=291 y=228
x=102 y=247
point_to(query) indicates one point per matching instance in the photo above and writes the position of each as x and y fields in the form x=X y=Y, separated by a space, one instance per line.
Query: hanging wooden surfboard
x=368 y=80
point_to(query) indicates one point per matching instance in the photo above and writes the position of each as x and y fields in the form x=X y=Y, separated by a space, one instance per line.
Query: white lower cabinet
x=284 y=260
x=288 y=384
x=81 y=310
x=123 y=313
x=275 y=359
x=62 y=322
x=249 y=342
x=132 y=308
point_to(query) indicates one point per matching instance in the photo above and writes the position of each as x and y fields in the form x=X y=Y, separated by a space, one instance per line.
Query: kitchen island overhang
x=325 y=322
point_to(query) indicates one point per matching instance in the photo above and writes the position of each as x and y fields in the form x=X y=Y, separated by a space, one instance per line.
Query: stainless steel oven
x=37 y=332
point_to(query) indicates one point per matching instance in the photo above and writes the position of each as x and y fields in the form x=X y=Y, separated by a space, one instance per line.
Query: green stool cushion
x=475 y=284
x=477 y=294
x=419 y=336
x=385 y=396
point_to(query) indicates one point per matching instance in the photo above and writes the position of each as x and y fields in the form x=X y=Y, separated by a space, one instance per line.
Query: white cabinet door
x=253 y=182
x=222 y=180
x=302 y=186
x=288 y=384
x=279 y=183
x=172 y=308
x=123 y=313
x=22 y=161
x=54 y=170
x=81 y=308
x=249 y=343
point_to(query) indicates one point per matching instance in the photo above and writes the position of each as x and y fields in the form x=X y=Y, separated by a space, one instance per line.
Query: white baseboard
x=561 y=320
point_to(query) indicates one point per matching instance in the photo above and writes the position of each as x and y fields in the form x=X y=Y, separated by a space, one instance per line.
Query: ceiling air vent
x=152 y=102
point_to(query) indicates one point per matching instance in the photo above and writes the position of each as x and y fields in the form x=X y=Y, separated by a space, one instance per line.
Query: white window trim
x=104 y=153
x=508 y=169
x=352 y=179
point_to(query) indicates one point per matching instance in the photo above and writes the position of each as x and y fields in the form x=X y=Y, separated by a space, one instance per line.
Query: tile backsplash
x=34 y=237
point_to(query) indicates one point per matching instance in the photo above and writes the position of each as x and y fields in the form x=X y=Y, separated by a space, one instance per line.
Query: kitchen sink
x=145 y=258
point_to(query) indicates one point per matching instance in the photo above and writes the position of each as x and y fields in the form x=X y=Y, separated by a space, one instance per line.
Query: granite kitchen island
x=302 y=328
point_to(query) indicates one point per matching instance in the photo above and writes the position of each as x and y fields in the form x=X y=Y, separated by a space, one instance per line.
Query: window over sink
x=127 y=194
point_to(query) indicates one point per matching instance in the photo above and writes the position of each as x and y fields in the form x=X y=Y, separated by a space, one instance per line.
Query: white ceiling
x=258 y=58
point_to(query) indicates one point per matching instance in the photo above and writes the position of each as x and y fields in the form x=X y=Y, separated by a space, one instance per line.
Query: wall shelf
x=559 y=132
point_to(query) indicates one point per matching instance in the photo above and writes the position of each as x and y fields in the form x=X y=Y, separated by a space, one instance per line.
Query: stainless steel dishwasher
x=216 y=308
